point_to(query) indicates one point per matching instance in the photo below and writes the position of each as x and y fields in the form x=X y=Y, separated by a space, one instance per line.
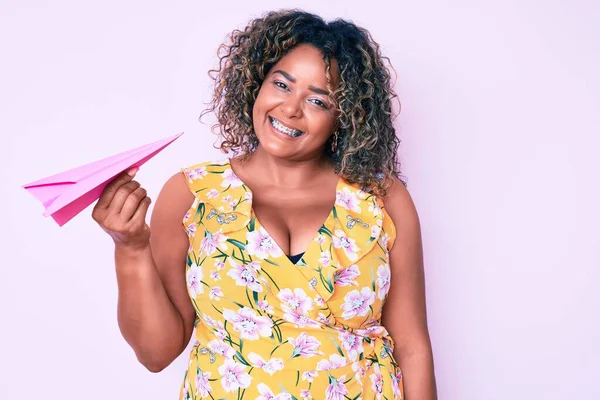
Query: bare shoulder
x=174 y=198
x=168 y=238
x=401 y=208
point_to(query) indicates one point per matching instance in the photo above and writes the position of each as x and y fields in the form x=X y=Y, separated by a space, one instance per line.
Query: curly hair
x=366 y=152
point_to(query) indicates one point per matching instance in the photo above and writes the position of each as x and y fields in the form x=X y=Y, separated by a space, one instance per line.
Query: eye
x=281 y=85
x=320 y=103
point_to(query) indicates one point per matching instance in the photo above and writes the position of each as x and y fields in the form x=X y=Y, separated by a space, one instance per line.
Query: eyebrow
x=293 y=80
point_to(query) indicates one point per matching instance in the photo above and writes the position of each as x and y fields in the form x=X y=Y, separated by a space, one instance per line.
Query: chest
x=292 y=218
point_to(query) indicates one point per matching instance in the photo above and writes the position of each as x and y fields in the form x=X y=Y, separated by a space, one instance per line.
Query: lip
x=283 y=135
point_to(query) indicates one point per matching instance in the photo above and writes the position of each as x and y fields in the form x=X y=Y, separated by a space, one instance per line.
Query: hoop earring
x=334 y=142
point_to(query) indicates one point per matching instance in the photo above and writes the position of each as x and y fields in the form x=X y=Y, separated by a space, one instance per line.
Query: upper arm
x=404 y=312
x=169 y=243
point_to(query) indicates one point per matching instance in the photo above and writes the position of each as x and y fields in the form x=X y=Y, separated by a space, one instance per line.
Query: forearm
x=418 y=376
x=148 y=320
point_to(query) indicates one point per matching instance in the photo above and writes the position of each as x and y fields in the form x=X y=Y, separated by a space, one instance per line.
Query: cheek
x=322 y=123
x=264 y=101
x=257 y=105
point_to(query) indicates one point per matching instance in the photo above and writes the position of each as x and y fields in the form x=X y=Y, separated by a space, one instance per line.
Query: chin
x=277 y=150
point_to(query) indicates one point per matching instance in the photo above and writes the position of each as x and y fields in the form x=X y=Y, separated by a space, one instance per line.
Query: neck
x=284 y=172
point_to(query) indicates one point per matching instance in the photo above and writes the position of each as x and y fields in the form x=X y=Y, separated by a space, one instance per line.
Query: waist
x=303 y=349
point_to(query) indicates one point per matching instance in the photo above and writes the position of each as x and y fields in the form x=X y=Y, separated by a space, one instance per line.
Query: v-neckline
x=314 y=238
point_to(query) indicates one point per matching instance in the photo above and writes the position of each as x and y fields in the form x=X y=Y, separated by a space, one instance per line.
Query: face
x=293 y=116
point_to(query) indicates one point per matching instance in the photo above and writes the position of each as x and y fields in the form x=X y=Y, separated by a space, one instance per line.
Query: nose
x=292 y=107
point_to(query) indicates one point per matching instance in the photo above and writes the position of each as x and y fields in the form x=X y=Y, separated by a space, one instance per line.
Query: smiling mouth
x=279 y=127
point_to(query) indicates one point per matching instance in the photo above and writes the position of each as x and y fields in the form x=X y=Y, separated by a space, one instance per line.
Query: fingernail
x=132 y=171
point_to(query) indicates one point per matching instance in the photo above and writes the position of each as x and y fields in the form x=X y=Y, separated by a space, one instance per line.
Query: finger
x=121 y=195
x=131 y=203
x=140 y=214
x=111 y=189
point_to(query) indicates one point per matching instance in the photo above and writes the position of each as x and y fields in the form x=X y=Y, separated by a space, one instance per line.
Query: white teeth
x=284 y=129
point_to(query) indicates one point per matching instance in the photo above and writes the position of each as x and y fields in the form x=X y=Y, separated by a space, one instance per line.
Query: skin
x=155 y=313
x=284 y=173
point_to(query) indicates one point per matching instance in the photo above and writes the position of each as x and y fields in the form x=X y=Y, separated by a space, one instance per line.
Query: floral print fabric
x=270 y=329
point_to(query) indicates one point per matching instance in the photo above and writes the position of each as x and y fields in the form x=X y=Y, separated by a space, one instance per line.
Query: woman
x=298 y=260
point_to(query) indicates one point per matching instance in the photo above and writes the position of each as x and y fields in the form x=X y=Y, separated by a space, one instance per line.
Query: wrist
x=133 y=257
x=132 y=250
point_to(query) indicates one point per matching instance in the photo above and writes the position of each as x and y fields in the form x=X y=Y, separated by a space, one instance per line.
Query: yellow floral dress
x=267 y=328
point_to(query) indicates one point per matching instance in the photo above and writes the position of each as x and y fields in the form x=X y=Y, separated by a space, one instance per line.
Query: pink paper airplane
x=66 y=194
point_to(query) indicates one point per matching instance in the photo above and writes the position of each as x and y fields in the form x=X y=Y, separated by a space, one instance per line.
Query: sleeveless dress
x=269 y=328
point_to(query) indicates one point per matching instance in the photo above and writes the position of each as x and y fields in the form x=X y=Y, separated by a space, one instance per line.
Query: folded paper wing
x=66 y=194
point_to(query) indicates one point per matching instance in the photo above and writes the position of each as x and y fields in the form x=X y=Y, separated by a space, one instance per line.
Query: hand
x=121 y=211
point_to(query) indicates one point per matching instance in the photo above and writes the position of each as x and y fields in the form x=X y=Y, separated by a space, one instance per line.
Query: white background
x=501 y=138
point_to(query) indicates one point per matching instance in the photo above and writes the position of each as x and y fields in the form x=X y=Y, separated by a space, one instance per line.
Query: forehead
x=305 y=63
